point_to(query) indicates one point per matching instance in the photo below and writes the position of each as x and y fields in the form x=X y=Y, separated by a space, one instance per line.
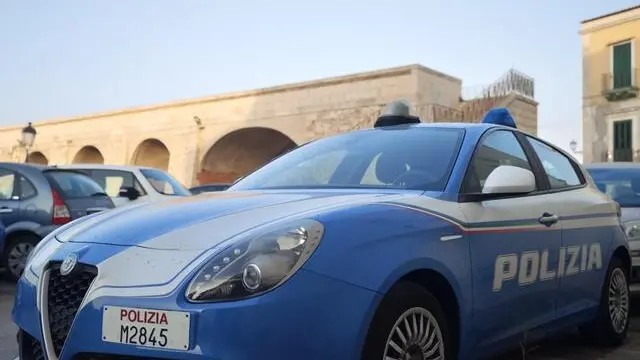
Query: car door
x=29 y=209
x=586 y=234
x=9 y=197
x=514 y=245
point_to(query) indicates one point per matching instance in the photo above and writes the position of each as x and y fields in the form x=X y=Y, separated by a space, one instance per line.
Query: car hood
x=203 y=221
x=150 y=249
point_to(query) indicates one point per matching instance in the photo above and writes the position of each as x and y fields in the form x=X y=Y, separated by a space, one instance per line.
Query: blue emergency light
x=499 y=116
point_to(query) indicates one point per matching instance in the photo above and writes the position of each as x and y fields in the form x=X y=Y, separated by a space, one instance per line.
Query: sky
x=72 y=57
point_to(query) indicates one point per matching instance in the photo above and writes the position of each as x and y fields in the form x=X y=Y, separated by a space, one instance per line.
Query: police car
x=404 y=241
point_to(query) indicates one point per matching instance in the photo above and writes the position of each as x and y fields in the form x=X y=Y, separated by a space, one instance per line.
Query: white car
x=127 y=184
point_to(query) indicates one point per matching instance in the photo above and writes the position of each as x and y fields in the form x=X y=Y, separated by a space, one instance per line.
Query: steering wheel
x=420 y=177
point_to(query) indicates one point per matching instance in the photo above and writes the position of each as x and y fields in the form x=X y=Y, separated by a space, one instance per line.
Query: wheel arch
x=622 y=252
x=441 y=288
x=13 y=235
x=441 y=283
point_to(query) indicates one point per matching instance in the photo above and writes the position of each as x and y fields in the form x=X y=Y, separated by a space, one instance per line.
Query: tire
x=14 y=250
x=407 y=300
x=603 y=330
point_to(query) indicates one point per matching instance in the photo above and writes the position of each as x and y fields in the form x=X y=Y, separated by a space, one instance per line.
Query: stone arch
x=240 y=152
x=153 y=153
x=88 y=155
x=37 y=157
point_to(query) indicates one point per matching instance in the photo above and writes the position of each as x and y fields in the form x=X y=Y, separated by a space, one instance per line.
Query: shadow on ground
x=562 y=347
x=571 y=346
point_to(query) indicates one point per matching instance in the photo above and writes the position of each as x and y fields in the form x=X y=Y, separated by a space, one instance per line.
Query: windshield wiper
x=99 y=194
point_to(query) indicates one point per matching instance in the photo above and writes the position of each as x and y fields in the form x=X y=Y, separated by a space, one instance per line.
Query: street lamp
x=574 y=147
x=28 y=137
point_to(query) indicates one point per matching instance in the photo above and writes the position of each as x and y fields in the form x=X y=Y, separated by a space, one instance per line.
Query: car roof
x=613 y=165
x=438 y=124
x=25 y=166
x=22 y=165
x=475 y=128
x=106 y=167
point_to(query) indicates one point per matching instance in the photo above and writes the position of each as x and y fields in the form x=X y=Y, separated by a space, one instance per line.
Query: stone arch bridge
x=220 y=138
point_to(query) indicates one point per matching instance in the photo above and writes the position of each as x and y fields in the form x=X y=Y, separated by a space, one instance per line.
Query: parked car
x=3 y=233
x=621 y=181
x=405 y=241
x=127 y=184
x=208 y=188
x=35 y=200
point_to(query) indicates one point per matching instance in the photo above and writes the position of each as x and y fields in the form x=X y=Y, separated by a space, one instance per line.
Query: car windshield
x=622 y=185
x=164 y=183
x=75 y=185
x=419 y=158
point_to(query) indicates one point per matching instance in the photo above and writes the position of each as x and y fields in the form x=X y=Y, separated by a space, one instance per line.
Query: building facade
x=610 y=99
x=219 y=138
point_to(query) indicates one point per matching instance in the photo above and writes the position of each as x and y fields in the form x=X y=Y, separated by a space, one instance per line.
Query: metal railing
x=621 y=80
x=513 y=81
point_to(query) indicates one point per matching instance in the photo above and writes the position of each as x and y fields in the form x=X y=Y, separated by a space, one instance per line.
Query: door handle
x=548 y=219
x=5 y=210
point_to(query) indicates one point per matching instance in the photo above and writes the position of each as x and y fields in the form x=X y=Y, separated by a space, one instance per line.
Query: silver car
x=621 y=181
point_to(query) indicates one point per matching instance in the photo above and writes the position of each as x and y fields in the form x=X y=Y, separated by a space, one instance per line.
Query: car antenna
x=397 y=113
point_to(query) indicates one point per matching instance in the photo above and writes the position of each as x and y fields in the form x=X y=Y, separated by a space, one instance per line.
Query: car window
x=496 y=149
x=73 y=184
x=7 y=184
x=396 y=158
x=113 y=180
x=27 y=189
x=164 y=183
x=621 y=184
x=313 y=171
x=559 y=170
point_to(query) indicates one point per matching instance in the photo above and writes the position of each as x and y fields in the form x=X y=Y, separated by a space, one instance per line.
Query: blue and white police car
x=403 y=241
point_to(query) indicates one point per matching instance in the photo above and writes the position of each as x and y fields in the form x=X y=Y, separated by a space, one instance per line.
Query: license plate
x=146 y=327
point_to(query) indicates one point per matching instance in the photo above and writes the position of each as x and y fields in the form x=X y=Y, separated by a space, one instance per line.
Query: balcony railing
x=621 y=85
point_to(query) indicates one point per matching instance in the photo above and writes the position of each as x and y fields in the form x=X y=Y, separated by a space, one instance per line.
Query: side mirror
x=507 y=179
x=129 y=192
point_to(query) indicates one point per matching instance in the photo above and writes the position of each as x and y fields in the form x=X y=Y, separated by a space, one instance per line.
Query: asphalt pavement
x=8 y=348
x=567 y=347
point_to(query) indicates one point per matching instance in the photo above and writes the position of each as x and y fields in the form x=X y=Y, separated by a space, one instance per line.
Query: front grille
x=111 y=357
x=30 y=348
x=65 y=294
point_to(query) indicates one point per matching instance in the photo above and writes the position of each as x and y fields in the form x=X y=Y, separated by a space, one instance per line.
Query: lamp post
x=573 y=145
x=28 y=137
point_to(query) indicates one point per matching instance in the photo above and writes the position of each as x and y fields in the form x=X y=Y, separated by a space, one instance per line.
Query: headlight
x=632 y=229
x=256 y=264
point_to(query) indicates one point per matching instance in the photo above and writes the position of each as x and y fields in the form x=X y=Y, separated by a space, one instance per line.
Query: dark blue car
x=3 y=233
x=34 y=200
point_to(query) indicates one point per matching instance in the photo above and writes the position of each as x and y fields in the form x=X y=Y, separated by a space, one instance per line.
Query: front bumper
x=309 y=317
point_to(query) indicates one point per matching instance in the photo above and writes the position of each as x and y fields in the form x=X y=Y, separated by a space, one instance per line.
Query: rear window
x=164 y=183
x=621 y=184
x=73 y=184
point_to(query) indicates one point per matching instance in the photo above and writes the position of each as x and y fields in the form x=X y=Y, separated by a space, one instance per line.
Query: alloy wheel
x=618 y=300
x=416 y=335
x=17 y=257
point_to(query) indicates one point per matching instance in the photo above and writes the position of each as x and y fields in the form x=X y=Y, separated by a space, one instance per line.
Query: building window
x=622 y=141
x=622 y=65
